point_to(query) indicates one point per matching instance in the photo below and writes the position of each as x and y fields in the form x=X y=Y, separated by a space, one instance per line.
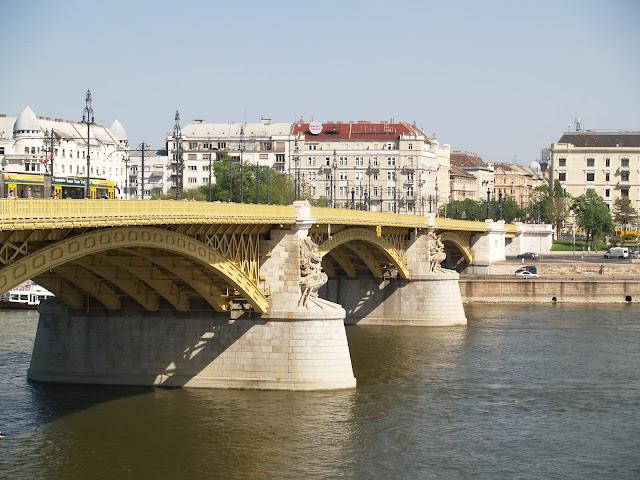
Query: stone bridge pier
x=429 y=297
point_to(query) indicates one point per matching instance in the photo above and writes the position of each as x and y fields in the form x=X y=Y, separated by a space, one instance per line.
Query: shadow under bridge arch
x=46 y=260
x=360 y=238
x=458 y=250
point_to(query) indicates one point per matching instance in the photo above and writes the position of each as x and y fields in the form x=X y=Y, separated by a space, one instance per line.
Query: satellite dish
x=315 y=128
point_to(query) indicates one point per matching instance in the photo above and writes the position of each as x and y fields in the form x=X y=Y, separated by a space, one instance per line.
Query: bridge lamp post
x=436 y=195
x=488 y=203
x=430 y=203
x=210 y=150
x=500 y=206
x=334 y=169
x=87 y=117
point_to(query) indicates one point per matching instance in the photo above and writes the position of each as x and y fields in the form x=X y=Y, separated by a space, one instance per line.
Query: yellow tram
x=25 y=185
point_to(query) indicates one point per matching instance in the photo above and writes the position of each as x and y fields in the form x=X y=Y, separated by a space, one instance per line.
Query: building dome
x=117 y=130
x=535 y=166
x=27 y=122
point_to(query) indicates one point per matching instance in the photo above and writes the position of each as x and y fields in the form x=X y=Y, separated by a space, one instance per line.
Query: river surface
x=521 y=392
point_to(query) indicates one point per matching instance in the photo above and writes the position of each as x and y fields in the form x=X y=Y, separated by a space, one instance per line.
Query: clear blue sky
x=501 y=78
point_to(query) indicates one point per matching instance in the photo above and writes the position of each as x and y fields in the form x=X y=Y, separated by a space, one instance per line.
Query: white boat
x=26 y=295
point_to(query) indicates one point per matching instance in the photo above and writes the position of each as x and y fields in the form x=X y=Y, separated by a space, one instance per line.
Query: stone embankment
x=562 y=282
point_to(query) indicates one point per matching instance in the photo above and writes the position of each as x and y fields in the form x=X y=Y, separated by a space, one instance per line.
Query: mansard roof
x=601 y=139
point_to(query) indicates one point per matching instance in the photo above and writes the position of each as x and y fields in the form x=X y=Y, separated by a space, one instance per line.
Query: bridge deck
x=23 y=214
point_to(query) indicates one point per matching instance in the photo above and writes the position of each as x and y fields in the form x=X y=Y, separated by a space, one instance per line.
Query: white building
x=383 y=166
x=156 y=173
x=606 y=161
x=263 y=143
x=24 y=147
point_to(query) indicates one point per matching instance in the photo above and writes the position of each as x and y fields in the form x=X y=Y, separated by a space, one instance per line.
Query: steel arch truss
x=368 y=236
x=73 y=249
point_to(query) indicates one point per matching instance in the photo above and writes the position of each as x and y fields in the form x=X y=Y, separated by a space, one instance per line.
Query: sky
x=500 y=78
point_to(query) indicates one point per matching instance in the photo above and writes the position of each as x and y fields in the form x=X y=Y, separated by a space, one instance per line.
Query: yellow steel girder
x=370 y=237
x=123 y=280
x=91 y=284
x=368 y=259
x=98 y=241
x=192 y=277
x=148 y=273
x=344 y=262
x=63 y=290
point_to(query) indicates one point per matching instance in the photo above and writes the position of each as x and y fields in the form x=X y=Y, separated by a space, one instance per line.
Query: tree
x=274 y=187
x=592 y=216
x=623 y=211
x=551 y=206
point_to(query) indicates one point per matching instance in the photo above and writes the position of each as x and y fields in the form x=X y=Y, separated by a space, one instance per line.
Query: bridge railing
x=339 y=216
x=15 y=212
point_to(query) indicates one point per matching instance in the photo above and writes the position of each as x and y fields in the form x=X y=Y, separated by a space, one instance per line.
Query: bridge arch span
x=371 y=238
x=452 y=239
x=42 y=261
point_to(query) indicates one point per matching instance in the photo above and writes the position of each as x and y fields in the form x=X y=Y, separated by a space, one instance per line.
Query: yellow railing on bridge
x=339 y=216
x=54 y=213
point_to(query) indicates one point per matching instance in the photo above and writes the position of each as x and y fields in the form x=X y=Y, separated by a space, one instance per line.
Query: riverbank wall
x=560 y=289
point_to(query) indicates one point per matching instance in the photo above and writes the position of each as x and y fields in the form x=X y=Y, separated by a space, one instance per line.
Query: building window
x=624 y=162
x=26 y=149
x=1 y=150
x=591 y=176
x=607 y=177
x=193 y=180
x=607 y=193
x=193 y=145
x=562 y=162
x=280 y=157
x=591 y=162
x=624 y=192
x=607 y=162
x=33 y=150
x=192 y=156
x=193 y=168
x=562 y=176
x=205 y=180
x=391 y=161
x=624 y=176
x=313 y=147
x=222 y=145
x=206 y=156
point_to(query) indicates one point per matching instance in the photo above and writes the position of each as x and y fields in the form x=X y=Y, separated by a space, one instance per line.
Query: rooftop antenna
x=578 y=124
x=177 y=148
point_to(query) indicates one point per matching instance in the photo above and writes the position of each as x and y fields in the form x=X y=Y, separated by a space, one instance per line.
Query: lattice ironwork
x=241 y=249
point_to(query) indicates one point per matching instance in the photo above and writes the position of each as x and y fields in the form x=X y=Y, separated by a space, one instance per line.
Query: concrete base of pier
x=428 y=300
x=295 y=350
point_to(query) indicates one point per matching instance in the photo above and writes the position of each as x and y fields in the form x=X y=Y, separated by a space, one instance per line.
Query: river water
x=521 y=392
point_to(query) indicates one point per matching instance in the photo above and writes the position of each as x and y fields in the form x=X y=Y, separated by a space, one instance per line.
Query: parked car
x=633 y=254
x=528 y=268
x=526 y=274
x=617 y=252
x=528 y=255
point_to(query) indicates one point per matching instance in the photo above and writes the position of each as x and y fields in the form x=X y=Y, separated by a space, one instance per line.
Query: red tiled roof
x=357 y=131
x=467 y=160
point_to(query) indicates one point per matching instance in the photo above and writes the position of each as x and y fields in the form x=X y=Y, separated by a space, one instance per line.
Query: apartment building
x=473 y=164
x=25 y=147
x=606 y=161
x=517 y=182
x=383 y=166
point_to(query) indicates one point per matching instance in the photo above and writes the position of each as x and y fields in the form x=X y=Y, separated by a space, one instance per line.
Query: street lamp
x=488 y=203
x=87 y=117
x=334 y=169
x=210 y=149
x=177 y=148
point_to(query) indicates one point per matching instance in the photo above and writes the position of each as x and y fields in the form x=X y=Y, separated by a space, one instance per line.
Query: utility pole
x=210 y=196
x=177 y=148
x=87 y=117
x=126 y=173
x=334 y=169
x=395 y=185
x=241 y=164
x=296 y=162
x=369 y=186
x=142 y=147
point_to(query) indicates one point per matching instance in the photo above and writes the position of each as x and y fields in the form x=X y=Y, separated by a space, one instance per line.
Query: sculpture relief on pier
x=311 y=275
x=436 y=254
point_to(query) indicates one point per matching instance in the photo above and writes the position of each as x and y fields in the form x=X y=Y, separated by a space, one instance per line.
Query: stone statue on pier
x=436 y=253
x=311 y=275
